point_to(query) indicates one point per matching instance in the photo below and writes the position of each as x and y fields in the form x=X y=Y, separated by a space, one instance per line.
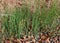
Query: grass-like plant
x=23 y=20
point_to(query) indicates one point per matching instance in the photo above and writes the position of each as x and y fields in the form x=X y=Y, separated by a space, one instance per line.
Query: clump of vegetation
x=28 y=20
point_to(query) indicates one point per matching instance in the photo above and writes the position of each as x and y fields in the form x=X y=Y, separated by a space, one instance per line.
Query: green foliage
x=21 y=19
